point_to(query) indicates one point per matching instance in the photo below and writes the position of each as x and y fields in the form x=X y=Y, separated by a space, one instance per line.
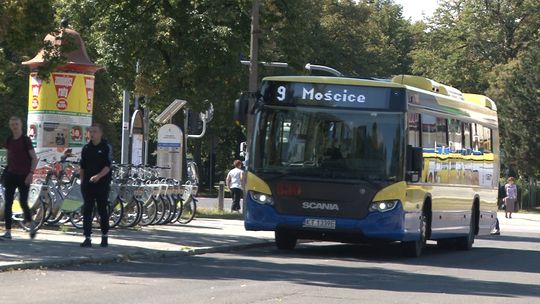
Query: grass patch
x=214 y=213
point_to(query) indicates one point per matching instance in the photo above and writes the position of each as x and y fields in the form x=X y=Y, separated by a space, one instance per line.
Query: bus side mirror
x=241 y=109
x=415 y=163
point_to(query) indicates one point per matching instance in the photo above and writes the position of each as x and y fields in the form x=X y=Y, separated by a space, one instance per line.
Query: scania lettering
x=403 y=160
x=321 y=206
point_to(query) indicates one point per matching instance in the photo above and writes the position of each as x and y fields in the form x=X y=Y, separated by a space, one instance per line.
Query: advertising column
x=60 y=106
x=60 y=113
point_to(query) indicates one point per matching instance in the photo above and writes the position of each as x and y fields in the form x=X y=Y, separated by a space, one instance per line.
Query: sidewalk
x=520 y=222
x=53 y=247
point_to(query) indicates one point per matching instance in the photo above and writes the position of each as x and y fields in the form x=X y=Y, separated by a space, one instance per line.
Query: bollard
x=221 y=195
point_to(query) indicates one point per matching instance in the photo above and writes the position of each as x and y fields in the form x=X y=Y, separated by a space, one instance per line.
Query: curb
x=138 y=255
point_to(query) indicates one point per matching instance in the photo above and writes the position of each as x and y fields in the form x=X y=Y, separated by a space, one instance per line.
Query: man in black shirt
x=96 y=178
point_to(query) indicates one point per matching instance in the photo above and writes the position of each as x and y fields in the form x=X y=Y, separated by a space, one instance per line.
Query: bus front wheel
x=414 y=248
x=285 y=240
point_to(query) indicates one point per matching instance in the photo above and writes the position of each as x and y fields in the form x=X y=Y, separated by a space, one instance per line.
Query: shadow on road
x=317 y=266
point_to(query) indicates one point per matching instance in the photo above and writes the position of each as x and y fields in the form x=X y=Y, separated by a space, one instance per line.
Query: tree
x=516 y=85
x=23 y=25
x=357 y=38
x=466 y=39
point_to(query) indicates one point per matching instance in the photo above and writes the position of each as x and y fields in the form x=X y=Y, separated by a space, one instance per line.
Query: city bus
x=352 y=160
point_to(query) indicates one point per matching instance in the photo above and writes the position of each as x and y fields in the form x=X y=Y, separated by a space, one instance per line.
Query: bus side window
x=442 y=132
x=414 y=129
x=455 y=136
x=466 y=135
x=476 y=130
x=429 y=129
x=482 y=139
x=485 y=140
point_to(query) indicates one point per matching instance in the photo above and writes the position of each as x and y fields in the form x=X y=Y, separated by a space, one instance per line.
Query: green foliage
x=516 y=83
x=357 y=38
x=191 y=50
x=23 y=24
x=466 y=39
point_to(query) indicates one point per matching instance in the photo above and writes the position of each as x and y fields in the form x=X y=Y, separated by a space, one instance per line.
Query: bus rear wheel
x=285 y=240
x=466 y=242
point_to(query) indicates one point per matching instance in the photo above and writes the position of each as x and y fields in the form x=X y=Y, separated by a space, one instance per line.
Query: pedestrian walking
x=235 y=182
x=96 y=160
x=511 y=197
x=21 y=163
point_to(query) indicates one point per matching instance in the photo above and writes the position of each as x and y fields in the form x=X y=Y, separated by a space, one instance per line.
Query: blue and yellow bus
x=358 y=160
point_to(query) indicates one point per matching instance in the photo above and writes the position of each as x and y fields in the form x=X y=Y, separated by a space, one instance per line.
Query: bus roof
x=409 y=82
x=480 y=100
x=336 y=80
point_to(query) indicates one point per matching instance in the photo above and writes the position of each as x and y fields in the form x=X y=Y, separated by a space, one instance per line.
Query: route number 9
x=281 y=90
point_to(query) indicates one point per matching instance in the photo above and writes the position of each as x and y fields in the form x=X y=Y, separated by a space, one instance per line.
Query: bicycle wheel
x=179 y=208
x=132 y=211
x=140 y=214
x=54 y=219
x=160 y=206
x=116 y=210
x=188 y=211
x=38 y=212
x=76 y=219
x=170 y=209
x=149 y=212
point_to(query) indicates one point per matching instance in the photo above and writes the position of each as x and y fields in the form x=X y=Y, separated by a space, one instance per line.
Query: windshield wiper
x=278 y=173
x=301 y=164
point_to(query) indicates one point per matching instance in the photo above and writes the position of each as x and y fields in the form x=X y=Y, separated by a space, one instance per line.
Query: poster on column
x=137 y=137
x=136 y=149
x=59 y=113
x=169 y=151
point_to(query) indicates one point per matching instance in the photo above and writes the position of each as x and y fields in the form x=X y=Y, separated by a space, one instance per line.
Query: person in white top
x=235 y=182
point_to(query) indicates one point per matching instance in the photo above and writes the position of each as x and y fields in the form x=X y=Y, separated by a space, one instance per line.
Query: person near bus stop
x=95 y=173
x=511 y=197
x=21 y=163
x=235 y=180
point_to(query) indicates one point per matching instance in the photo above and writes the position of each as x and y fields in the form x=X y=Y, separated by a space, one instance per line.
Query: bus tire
x=285 y=240
x=414 y=249
x=466 y=242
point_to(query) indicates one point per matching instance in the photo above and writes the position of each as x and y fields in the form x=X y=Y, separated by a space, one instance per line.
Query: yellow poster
x=64 y=93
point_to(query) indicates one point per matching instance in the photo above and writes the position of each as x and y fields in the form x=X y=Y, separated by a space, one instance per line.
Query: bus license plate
x=321 y=224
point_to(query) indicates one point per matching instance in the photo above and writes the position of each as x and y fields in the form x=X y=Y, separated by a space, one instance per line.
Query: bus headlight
x=383 y=206
x=261 y=198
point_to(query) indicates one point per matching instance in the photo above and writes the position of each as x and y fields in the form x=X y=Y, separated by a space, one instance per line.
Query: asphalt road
x=504 y=269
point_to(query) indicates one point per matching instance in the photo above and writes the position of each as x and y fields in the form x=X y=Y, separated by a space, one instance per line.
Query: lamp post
x=253 y=59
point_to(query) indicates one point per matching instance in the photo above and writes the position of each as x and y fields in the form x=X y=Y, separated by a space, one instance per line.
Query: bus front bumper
x=394 y=225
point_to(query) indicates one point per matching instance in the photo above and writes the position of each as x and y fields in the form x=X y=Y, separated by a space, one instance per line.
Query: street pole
x=253 y=58
x=125 y=129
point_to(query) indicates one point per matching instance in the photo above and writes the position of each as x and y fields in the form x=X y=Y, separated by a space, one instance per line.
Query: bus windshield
x=330 y=143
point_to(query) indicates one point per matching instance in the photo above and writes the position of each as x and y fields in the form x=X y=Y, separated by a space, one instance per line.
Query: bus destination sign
x=328 y=95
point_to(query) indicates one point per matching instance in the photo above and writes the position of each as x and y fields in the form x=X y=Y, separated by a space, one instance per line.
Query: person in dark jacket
x=21 y=163
x=95 y=183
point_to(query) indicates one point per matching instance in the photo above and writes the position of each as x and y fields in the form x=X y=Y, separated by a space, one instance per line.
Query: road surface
x=502 y=269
